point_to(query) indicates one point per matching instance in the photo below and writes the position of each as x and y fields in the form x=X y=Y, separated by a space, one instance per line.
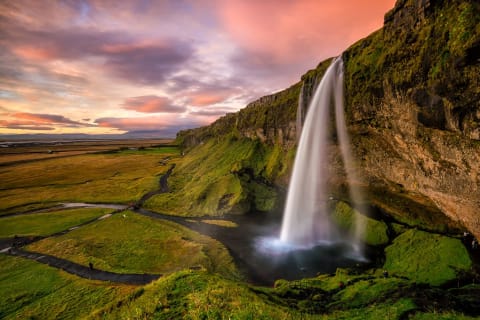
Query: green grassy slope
x=130 y=243
x=226 y=174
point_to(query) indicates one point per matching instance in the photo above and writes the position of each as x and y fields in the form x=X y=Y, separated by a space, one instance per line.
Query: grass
x=221 y=223
x=426 y=258
x=196 y=295
x=163 y=150
x=96 y=178
x=130 y=243
x=228 y=175
x=43 y=224
x=35 y=291
x=442 y=316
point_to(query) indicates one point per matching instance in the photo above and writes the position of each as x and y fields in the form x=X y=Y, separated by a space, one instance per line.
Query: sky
x=109 y=66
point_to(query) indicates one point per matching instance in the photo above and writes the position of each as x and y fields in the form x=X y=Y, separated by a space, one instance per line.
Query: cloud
x=283 y=39
x=45 y=118
x=168 y=125
x=140 y=61
x=152 y=104
x=36 y=121
x=87 y=56
x=208 y=95
x=147 y=64
x=23 y=127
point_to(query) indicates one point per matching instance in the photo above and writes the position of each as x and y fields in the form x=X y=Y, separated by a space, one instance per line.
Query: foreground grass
x=199 y=295
x=130 y=243
x=43 y=224
x=30 y=290
x=195 y=295
x=118 y=178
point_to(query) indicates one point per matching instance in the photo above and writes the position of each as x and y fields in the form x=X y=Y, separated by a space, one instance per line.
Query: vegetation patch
x=347 y=218
x=230 y=174
x=426 y=258
x=130 y=243
x=96 y=178
x=31 y=290
x=196 y=295
x=221 y=223
x=43 y=224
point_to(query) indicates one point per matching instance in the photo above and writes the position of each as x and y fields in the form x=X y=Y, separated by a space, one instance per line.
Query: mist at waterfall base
x=308 y=240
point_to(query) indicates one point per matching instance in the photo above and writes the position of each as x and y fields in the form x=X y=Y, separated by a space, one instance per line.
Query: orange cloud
x=152 y=104
x=203 y=99
x=34 y=53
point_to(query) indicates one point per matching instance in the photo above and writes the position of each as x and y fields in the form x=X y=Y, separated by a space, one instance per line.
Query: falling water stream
x=306 y=221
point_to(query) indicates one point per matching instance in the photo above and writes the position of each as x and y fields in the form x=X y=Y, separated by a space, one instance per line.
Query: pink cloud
x=205 y=99
x=152 y=104
x=289 y=31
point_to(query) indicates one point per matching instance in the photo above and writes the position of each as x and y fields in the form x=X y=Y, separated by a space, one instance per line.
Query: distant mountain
x=149 y=134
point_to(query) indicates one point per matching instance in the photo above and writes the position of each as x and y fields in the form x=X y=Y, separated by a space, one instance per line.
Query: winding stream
x=245 y=242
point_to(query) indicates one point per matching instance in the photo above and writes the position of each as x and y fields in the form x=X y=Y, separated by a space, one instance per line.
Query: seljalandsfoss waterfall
x=306 y=221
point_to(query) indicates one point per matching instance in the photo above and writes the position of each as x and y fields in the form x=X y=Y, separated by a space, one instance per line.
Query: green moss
x=366 y=292
x=346 y=218
x=426 y=258
x=451 y=315
x=398 y=228
x=386 y=310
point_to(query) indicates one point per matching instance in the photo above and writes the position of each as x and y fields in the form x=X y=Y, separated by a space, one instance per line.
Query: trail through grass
x=130 y=243
x=30 y=290
x=43 y=224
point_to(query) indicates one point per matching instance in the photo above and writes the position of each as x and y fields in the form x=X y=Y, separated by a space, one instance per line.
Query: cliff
x=413 y=111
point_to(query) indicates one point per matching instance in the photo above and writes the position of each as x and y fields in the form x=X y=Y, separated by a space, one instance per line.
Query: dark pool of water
x=263 y=259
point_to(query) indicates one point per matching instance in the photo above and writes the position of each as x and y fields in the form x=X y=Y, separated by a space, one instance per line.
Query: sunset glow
x=94 y=66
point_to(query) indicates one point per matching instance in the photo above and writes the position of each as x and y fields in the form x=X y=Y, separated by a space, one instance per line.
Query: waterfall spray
x=306 y=220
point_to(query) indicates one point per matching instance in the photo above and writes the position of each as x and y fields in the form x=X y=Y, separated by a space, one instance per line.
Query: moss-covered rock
x=346 y=218
x=426 y=258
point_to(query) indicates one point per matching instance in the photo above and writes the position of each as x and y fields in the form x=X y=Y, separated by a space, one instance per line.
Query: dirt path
x=13 y=246
x=85 y=272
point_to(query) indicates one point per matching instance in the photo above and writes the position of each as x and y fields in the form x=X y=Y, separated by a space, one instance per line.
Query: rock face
x=413 y=111
x=415 y=117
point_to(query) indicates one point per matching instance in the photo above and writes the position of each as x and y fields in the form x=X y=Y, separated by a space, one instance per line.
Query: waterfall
x=306 y=220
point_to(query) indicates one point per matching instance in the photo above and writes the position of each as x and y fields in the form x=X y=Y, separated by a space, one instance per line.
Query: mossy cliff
x=413 y=112
x=413 y=104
